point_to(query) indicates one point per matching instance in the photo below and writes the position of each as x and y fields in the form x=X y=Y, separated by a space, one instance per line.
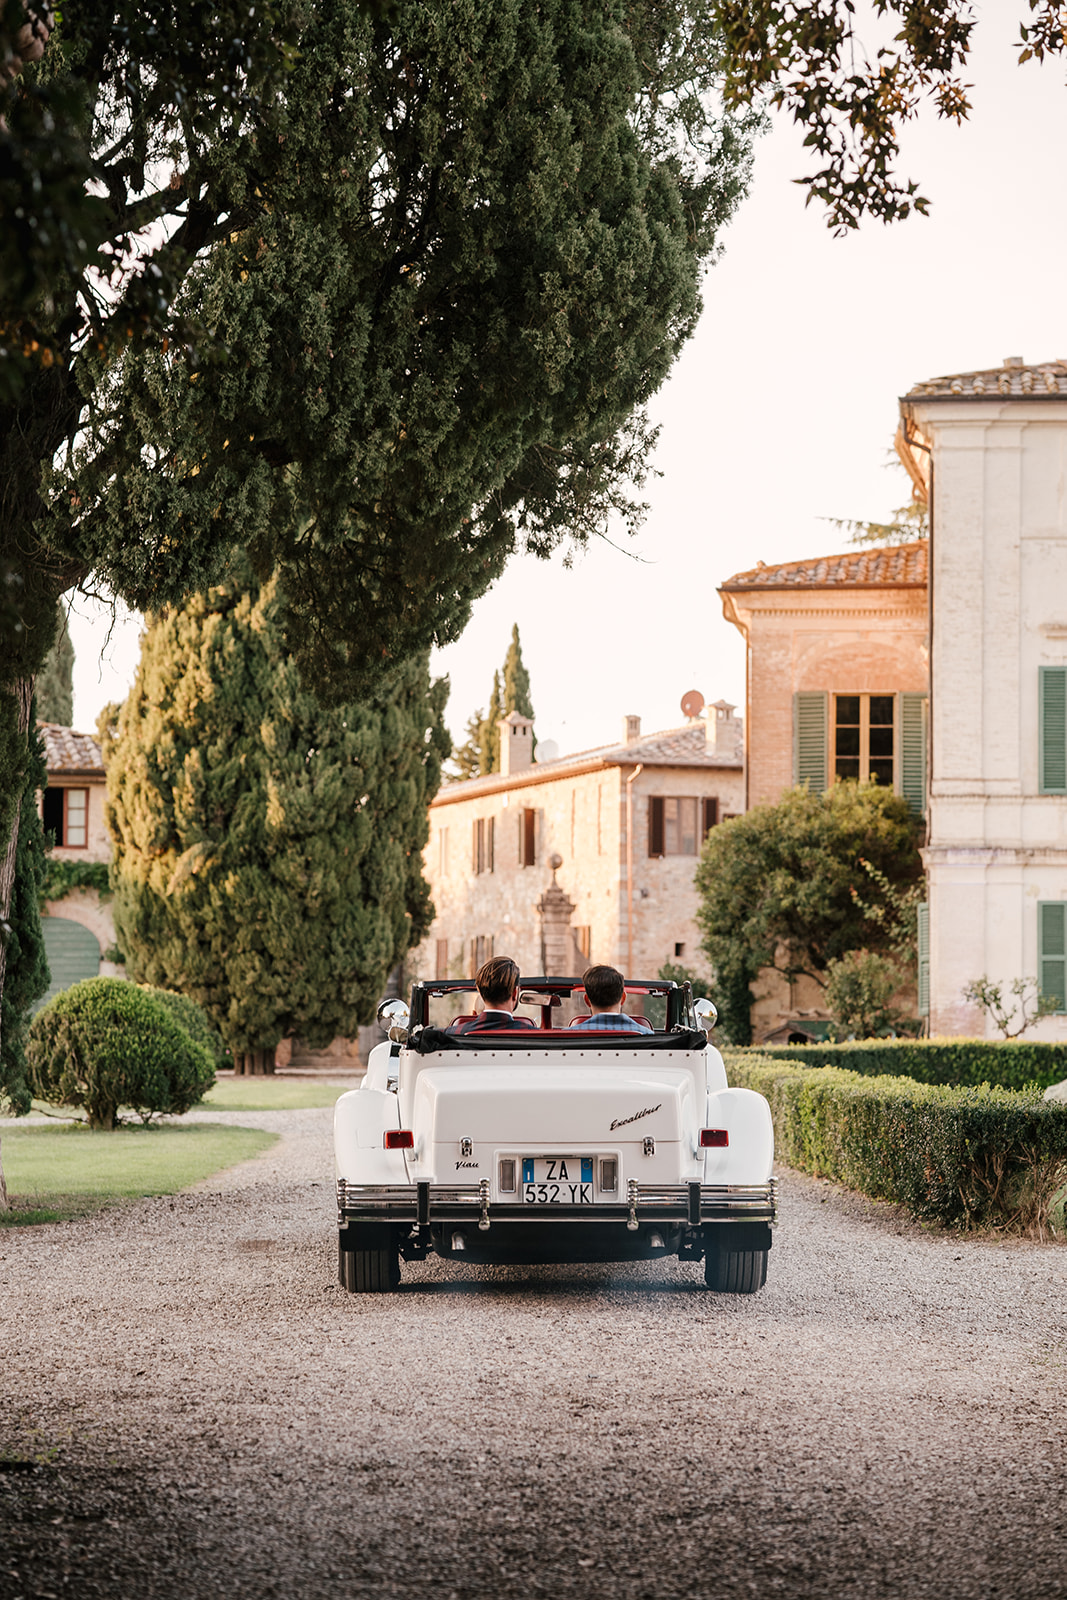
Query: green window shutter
x=1052 y=760
x=810 y=766
x=913 y=751
x=1052 y=950
x=924 y=958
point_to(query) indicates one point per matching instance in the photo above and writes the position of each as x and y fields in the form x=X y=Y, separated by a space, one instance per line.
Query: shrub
x=860 y=986
x=104 y=1043
x=966 y=1157
x=194 y=1019
x=958 y=1062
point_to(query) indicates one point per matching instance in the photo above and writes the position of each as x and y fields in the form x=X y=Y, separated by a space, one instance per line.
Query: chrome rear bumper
x=693 y=1203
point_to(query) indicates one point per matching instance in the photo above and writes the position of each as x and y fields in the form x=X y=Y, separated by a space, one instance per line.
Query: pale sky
x=780 y=413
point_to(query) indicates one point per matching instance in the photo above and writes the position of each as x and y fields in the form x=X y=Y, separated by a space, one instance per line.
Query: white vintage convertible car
x=552 y=1143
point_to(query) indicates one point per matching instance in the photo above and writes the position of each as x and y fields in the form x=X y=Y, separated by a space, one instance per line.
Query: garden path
x=217 y=1420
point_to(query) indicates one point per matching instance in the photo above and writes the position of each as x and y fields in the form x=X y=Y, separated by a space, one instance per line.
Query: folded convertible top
x=431 y=1041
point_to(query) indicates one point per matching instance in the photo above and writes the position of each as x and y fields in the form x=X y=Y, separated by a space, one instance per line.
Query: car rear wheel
x=370 y=1271
x=735 y=1271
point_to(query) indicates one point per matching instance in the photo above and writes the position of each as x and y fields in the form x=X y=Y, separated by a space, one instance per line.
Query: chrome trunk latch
x=483 y=1195
x=631 y=1195
x=466 y=1147
x=650 y=1145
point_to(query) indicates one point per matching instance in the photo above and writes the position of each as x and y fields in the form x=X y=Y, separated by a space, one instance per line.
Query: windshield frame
x=679 y=997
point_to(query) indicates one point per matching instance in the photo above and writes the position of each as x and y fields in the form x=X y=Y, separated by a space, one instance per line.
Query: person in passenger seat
x=605 y=990
x=498 y=985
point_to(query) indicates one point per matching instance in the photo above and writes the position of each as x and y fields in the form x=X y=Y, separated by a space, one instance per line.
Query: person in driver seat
x=498 y=985
x=605 y=989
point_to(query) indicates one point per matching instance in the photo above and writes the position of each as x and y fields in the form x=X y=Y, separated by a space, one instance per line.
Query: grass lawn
x=56 y=1173
x=273 y=1094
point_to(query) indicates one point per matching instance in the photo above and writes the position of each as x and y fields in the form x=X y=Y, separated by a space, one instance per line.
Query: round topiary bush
x=105 y=1043
x=194 y=1019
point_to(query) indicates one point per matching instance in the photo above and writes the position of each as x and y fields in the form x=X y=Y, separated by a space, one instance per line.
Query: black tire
x=370 y=1271
x=735 y=1271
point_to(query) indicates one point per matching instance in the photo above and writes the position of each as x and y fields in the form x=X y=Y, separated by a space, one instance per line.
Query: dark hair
x=604 y=986
x=496 y=979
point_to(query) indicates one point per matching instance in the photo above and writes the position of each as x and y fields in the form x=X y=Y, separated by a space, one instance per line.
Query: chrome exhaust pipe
x=459 y=1241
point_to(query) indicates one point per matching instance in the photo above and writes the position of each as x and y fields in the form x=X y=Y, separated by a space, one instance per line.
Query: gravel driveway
x=887 y=1418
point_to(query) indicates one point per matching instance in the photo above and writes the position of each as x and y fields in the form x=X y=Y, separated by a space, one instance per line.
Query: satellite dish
x=547 y=750
x=692 y=703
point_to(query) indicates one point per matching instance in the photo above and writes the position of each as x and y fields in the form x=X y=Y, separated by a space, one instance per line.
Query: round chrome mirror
x=707 y=1014
x=394 y=1016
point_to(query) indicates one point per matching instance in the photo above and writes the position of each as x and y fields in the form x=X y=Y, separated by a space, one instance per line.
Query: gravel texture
x=192 y=1408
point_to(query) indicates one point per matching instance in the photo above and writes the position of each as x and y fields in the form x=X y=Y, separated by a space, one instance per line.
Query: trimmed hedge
x=194 y=1019
x=105 y=1043
x=965 y=1157
x=1010 y=1063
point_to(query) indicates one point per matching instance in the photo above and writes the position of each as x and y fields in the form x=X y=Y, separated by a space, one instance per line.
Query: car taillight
x=714 y=1138
x=399 y=1139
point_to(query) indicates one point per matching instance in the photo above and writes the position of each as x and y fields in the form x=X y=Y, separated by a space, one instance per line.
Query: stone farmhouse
x=988 y=451
x=587 y=858
x=78 y=929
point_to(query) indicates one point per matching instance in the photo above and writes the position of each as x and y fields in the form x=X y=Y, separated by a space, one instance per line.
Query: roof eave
x=791 y=588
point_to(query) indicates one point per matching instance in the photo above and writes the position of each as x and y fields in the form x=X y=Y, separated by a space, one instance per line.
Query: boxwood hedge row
x=970 y=1157
x=1011 y=1063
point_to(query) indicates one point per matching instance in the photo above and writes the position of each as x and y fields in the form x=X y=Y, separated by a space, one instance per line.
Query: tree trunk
x=22 y=694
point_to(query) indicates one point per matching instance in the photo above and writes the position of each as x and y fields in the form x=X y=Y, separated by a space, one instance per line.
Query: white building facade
x=989 y=449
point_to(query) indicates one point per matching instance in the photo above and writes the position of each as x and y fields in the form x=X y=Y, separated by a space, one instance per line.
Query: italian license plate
x=557 y=1181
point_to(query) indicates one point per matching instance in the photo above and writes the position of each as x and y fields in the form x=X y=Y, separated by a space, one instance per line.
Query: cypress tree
x=516 y=679
x=511 y=692
x=55 y=682
x=267 y=851
x=489 y=732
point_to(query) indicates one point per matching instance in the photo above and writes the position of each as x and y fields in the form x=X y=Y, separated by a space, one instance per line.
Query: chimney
x=631 y=729
x=722 y=730
x=516 y=744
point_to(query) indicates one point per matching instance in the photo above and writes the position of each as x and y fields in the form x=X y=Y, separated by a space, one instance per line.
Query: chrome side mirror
x=394 y=1016
x=707 y=1014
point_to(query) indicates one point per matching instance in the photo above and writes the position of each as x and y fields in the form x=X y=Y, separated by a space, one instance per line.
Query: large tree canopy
x=267 y=851
x=447 y=270
x=436 y=275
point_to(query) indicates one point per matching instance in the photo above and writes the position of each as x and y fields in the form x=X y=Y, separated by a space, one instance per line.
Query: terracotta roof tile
x=901 y=566
x=1047 y=381
x=67 y=751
